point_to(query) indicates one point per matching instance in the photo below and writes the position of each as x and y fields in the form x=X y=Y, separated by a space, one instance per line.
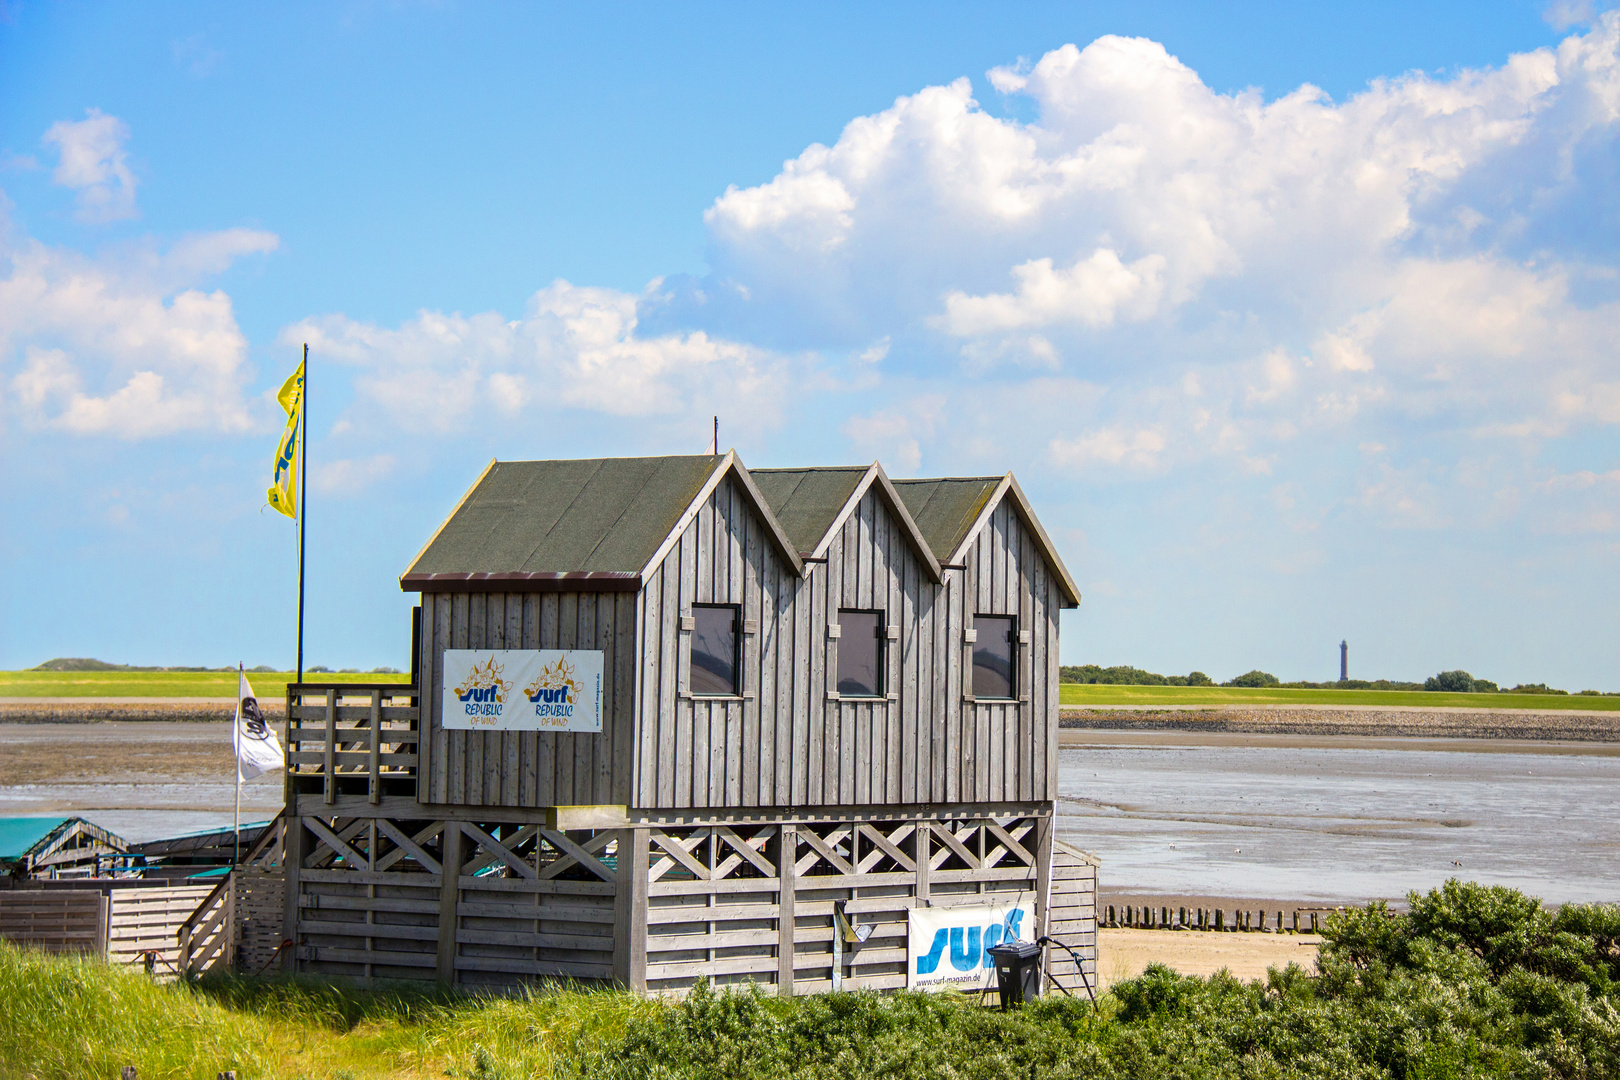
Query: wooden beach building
x=827 y=706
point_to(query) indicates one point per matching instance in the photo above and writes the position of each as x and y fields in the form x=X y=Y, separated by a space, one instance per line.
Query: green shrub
x=1471 y=981
x=1254 y=678
x=1451 y=682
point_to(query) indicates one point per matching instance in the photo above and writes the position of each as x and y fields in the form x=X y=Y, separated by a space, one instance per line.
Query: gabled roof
x=605 y=523
x=807 y=501
x=951 y=512
x=947 y=509
x=813 y=504
x=595 y=523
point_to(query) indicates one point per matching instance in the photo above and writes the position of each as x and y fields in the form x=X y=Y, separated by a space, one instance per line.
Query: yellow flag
x=283 y=493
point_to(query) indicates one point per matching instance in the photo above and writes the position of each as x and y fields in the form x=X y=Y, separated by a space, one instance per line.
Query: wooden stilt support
x=449 y=893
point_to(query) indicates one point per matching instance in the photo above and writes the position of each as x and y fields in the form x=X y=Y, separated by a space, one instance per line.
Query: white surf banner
x=522 y=689
x=949 y=947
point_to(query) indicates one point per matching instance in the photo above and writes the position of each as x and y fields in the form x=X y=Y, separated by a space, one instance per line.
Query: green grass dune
x=1092 y=695
x=166 y=684
x=1472 y=982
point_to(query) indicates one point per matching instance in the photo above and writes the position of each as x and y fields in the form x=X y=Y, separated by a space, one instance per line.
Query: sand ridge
x=1319 y=720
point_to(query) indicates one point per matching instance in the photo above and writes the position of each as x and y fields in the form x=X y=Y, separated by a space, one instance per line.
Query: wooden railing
x=265 y=854
x=337 y=731
x=208 y=937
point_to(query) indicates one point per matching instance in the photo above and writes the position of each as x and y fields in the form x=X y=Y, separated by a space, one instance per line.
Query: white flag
x=257 y=749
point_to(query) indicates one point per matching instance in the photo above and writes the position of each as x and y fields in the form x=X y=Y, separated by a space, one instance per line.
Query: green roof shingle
x=805 y=501
x=598 y=515
x=945 y=510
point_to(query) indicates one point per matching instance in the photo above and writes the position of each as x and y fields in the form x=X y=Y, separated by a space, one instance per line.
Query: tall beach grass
x=75 y=1018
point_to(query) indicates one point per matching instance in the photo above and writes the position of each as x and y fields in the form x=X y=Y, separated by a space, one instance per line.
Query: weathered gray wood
x=456 y=768
x=529 y=741
x=449 y=893
x=952 y=707
x=292 y=864
x=818 y=646
x=757 y=685
x=785 y=853
x=512 y=741
x=426 y=661
x=689 y=585
x=775 y=626
x=473 y=775
x=630 y=936
x=329 y=773
x=655 y=768
x=619 y=759
x=375 y=732
x=545 y=765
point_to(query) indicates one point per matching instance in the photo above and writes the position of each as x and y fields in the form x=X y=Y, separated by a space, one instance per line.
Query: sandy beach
x=1125 y=954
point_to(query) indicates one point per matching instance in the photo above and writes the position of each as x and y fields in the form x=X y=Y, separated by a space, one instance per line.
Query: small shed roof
x=39 y=841
x=596 y=518
x=19 y=835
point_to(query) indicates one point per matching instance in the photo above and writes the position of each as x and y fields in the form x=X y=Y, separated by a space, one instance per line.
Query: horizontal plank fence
x=55 y=920
x=1072 y=920
x=143 y=921
x=130 y=926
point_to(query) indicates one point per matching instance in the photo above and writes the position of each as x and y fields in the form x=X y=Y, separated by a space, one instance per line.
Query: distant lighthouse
x=1344 y=661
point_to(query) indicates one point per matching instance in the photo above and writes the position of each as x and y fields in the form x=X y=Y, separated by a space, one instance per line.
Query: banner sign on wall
x=950 y=946
x=523 y=689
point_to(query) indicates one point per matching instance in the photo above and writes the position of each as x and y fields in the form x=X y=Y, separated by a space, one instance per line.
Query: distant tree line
x=70 y=663
x=1129 y=676
x=1453 y=682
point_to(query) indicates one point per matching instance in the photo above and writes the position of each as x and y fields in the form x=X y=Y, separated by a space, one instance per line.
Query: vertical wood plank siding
x=790 y=739
x=525 y=768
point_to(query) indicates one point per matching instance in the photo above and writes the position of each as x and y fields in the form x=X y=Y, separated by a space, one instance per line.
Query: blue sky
x=1296 y=324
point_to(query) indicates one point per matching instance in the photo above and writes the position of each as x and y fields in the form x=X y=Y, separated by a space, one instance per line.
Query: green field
x=220 y=684
x=1101 y=696
x=165 y=684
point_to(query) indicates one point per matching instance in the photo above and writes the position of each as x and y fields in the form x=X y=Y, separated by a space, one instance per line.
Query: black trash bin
x=1018 y=971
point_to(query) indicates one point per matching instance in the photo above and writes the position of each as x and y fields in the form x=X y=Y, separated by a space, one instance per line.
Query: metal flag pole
x=303 y=504
x=236 y=747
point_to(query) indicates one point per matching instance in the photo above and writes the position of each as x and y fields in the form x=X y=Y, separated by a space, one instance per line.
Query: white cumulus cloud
x=128 y=345
x=94 y=163
x=574 y=347
x=1418 y=261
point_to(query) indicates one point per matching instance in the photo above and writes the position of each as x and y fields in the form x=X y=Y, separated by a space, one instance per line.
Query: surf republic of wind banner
x=950 y=946
x=523 y=689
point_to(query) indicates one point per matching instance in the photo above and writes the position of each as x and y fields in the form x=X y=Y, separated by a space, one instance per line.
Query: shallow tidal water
x=1214 y=817
x=1170 y=814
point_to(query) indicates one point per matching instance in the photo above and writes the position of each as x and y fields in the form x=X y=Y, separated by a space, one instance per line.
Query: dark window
x=714 y=649
x=861 y=638
x=995 y=652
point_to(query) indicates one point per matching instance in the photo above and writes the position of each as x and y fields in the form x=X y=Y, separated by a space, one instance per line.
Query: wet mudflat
x=1340 y=819
x=1172 y=814
x=142 y=780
